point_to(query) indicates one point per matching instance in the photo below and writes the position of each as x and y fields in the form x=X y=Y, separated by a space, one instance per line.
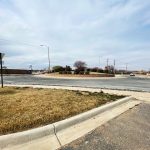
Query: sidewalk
x=144 y=96
x=129 y=131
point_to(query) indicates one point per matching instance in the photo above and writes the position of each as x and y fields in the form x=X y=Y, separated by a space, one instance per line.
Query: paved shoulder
x=129 y=131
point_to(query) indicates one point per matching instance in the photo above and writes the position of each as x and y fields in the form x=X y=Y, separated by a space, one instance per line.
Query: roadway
x=129 y=83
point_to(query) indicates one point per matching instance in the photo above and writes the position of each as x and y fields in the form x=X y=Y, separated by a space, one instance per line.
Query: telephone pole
x=107 y=62
x=114 y=65
x=126 y=68
x=107 y=65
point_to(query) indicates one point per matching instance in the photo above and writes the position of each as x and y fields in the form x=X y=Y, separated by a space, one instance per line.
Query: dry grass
x=25 y=108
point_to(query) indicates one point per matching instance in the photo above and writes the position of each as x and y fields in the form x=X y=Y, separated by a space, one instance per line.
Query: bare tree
x=80 y=65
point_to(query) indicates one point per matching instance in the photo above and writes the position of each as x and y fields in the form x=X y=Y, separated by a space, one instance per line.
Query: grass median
x=26 y=108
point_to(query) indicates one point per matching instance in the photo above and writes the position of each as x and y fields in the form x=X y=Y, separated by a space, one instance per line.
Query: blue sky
x=75 y=30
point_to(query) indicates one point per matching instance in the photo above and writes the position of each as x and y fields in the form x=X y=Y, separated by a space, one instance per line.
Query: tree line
x=81 y=68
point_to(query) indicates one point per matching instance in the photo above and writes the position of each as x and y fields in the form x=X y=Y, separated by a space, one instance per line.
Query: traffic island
x=25 y=108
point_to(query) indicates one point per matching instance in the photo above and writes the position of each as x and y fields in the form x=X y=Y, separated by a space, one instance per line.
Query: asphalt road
x=130 y=83
x=129 y=131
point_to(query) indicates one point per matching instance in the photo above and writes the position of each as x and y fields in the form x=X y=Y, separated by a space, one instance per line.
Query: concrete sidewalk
x=129 y=131
x=144 y=96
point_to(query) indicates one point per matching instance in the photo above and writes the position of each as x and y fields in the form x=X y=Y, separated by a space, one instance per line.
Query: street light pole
x=114 y=66
x=49 y=67
x=126 y=68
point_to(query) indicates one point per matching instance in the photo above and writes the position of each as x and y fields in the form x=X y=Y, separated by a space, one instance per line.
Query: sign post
x=1 y=64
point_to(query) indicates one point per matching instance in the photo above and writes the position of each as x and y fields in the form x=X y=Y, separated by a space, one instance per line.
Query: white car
x=131 y=74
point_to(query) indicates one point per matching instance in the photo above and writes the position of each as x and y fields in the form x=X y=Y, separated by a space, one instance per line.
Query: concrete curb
x=25 y=136
x=16 y=139
x=74 y=132
x=61 y=125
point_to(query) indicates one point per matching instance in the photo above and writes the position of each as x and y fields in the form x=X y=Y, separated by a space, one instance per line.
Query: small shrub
x=69 y=72
x=76 y=71
x=87 y=72
x=81 y=72
x=58 y=68
x=64 y=72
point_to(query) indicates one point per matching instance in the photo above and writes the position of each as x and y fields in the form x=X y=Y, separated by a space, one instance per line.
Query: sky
x=88 y=30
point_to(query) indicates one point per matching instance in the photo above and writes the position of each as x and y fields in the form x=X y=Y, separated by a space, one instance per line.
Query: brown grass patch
x=25 y=108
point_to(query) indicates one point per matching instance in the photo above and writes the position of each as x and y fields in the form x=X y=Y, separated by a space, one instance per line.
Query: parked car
x=131 y=74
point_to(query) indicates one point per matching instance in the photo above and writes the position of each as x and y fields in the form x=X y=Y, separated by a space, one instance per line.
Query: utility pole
x=1 y=64
x=126 y=68
x=114 y=65
x=107 y=65
x=49 y=67
x=107 y=62
x=30 y=67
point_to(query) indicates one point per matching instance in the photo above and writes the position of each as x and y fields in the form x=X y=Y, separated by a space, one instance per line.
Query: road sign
x=2 y=55
x=1 y=70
